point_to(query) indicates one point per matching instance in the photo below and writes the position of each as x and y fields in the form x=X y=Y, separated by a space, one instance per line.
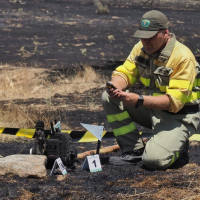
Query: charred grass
x=113 y=182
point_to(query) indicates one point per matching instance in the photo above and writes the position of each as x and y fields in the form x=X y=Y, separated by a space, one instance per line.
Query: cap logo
x=145 y=23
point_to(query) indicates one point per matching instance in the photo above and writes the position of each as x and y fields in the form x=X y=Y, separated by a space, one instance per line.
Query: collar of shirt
x=164 y=55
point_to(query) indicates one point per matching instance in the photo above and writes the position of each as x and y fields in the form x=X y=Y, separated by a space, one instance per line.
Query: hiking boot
x=127 y=158
x=184 y=158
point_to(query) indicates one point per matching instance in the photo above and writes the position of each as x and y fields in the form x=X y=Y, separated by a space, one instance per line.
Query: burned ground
x=62 y=35
x=113 y=182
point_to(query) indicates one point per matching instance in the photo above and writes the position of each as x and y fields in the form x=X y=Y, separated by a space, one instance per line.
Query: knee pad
x=152 y=162
x=158 y=158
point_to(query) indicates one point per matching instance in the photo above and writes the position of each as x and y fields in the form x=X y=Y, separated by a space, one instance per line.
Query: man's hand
x=127 y=98
x=113 y=92
x=161 y=102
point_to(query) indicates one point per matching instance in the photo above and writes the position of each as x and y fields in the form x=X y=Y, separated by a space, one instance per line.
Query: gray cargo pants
x=170 y=131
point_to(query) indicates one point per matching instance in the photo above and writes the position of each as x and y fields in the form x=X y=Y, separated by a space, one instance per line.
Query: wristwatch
x=140 y=101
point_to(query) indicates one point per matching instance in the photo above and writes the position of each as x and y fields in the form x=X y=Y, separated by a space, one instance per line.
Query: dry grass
x=30 y=82
x=85 y=79
x=4 y=138
x=18 y=82
x=34 y=84
x=101 y=9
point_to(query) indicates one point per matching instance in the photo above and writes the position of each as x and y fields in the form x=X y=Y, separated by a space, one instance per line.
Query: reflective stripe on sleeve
x=185 y=84
x=177 y=94
x=124 y=129
x=131 y=67
x=130 y=70
x=118 y=117
x=193 y=97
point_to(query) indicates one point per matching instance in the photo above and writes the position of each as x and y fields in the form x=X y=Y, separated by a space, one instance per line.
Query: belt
x=186 y=110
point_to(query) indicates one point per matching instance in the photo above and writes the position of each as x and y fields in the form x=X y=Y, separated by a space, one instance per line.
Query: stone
x=24 y=165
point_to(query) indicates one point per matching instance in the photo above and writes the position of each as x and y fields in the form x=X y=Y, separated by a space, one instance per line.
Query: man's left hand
x=128 y=98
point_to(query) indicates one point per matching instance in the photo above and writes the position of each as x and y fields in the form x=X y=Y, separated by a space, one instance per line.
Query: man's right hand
x=119 y=83
x=113 y=93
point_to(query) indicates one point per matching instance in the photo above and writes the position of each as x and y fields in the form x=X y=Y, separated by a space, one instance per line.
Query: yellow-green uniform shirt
x=171 y=72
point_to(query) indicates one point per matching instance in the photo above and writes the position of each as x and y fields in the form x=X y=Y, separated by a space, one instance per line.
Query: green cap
x=151 y=23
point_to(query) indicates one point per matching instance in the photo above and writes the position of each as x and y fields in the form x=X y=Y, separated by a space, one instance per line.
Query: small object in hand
x=110 y=85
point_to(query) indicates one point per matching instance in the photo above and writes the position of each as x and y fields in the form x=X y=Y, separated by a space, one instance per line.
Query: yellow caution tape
x=77 y=136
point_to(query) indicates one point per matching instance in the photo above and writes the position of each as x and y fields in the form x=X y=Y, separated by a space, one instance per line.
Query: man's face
x=156 y=43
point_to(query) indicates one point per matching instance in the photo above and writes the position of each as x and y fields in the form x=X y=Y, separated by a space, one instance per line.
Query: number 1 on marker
x=94 y=163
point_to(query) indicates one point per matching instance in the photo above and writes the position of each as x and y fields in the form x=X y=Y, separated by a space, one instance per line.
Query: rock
x=24 y=165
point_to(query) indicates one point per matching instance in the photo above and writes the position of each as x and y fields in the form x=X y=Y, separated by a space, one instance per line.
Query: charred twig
x=22 y=148
x=127 y=196
x=150 y=3
x=147 y=2
x=191 y=181
x=104 y=150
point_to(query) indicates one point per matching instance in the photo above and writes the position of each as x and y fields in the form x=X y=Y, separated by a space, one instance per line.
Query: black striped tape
x=77 y=136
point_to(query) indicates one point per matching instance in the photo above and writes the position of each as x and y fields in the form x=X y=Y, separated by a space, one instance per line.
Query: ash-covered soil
x=113 y=182
x=62 y=34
